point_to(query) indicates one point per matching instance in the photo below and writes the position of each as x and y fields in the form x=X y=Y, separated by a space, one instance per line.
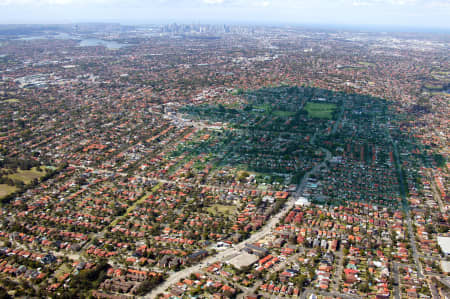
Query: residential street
x=227 y=254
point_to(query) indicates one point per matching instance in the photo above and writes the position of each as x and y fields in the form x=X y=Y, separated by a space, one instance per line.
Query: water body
x=90 y=42
x=84 y=42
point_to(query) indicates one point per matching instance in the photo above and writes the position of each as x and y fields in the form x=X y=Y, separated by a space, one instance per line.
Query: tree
x=300 y=280
x=364 y=287
x=4 y=294
x=243 y=176
x=148 y=284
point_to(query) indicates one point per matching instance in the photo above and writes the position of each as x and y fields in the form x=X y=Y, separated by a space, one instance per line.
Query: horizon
x=398 y=14
x=362 y=28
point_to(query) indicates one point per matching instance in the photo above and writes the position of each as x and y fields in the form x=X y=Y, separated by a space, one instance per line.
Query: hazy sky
x=409 y=13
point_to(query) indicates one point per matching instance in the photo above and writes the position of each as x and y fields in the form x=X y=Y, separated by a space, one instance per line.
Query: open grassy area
x=264 y=107
x=320 y=110
x=443 y=93
x=134 y=205
x=12 y=101
x=433 y=87
x=6 y=190
x=365 y=63
x=65 y=268
x=221 y=209
x=283 y=113
x=26 y=176
x=441 y=75
x=262 y=187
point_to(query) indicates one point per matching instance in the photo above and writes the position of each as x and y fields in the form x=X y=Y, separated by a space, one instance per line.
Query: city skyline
x=387 y=13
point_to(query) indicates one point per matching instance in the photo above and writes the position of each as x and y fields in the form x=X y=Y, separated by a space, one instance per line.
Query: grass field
x=283 y=113
x=134 y=205
x=433 y=87
x=26 y=176
x=221 y=209
x=443 y=93
x=441 y=75
x=65 y=268
x=12 y=101
x=320 y=110
x=6 y=190
x=366 y=63
x=265 y=107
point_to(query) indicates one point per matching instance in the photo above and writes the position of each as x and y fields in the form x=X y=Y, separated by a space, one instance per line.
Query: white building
x=302 y=201
x=444 y=243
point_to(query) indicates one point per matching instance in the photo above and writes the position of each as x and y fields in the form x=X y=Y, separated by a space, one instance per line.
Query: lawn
x=263 y=187
x=283 y=113
x=134 y=205
x=366 y=63
x=65 y=268
x=6 y=190
x=320 y=110
x=441 y=75
x=433 y=87
x=221 y=209
x=26 y=176
x=12 y=101
x=264 y=107
x=442 y=93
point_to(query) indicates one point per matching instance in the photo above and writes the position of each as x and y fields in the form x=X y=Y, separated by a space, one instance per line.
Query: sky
x=395 y=13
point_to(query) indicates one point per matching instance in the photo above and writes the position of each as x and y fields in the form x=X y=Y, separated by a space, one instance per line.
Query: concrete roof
x=244 y=260
x=302 y=201
x=445 y=266
x=444 y=242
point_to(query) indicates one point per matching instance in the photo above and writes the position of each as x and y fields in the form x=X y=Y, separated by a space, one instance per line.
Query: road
x=436 y=193
x=309 y=292
x=339 y=120
x=165 y=181
x=443 y=279
x=396 y=281
x=227 y=254
x=336 y=281
x=433 y=289
x=403 y=192
x=412 y=241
